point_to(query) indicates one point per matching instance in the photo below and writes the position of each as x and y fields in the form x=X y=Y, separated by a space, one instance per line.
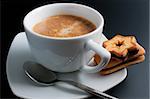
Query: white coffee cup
x=66 y=54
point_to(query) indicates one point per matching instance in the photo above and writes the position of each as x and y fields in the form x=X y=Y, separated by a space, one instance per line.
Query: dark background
x=127 y=17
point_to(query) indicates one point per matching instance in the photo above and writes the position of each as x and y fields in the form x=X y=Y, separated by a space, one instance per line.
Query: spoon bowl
x=39 y=74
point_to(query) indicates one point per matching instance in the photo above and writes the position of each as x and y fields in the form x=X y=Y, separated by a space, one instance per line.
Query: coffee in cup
x=64 y=26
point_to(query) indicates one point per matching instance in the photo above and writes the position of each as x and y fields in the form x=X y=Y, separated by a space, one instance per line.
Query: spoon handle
x=89 y=90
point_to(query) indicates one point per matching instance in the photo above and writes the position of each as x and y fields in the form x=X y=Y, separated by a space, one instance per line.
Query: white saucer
x=23 y=87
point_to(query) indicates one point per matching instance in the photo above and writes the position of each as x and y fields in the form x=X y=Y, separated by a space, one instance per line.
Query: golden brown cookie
x=115 y=61
x=121 y=66
x=120 y=45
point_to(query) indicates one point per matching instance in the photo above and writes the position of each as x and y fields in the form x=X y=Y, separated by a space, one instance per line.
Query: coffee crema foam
x=64 y=26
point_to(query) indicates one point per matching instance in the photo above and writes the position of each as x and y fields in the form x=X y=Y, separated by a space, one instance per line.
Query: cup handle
x=105 y=57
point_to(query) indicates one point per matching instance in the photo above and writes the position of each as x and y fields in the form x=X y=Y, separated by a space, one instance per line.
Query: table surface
x=127 y=17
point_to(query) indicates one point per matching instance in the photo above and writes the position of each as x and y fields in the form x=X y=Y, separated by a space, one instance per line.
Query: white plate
x=23 y=87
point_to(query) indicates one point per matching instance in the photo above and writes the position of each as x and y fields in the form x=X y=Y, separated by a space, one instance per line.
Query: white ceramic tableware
x=68 y=53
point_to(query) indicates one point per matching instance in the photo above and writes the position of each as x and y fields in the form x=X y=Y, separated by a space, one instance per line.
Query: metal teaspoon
x=43 y=76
